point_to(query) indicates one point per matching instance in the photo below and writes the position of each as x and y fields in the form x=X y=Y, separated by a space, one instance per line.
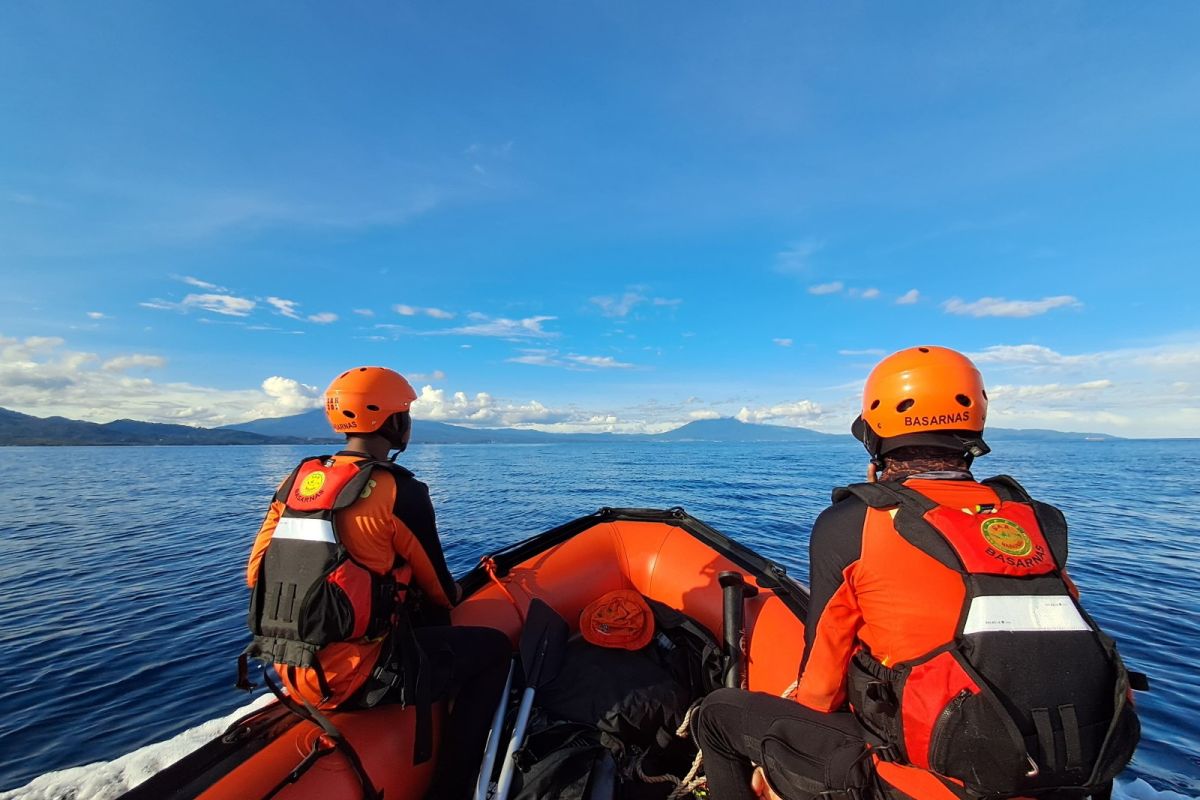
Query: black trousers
x=467 y=666
x=730 y=728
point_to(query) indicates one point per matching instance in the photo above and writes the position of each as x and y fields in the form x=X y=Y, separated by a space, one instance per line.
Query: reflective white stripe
x=1024 y=613
x=309 y=529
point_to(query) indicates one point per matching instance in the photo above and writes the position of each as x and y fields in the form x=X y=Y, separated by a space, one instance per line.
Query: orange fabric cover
x=619 y=619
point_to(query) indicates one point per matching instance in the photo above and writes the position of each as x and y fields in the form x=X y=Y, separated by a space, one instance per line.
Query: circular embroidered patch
x=312 y=484
x=1006 y=536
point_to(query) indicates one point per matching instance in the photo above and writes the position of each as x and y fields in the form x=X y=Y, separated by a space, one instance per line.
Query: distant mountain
x=307 y=425
x=728 y=429
x=23 y=429
x=312 y=425
x=1044 y=435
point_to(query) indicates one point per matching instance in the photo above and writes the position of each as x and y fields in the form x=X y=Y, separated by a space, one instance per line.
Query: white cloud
x=869 y=294
x=1000 y=307
x=868 y=352
x=826 y=288
x=199 y=284
x=122 y=363
x=1047 y=391
x=323 y=318
x=797 y=414
x=500 y=327
x=97 y=315
x=226 y=304
x=1026 y=354
x=288 y=308
x=783 y=342
x=704 y=414
x=908 y=298
x=537 y=358
x=796 y=259
x=39 y=376
x=412 y=311
x=364 y=312
x=160 y=305
x=287 y=396
x=574 y=361
x=285 y=307
x=482 y=409
x=436 y=375
x=598 y=362
x=668 y=302
x=619 y=306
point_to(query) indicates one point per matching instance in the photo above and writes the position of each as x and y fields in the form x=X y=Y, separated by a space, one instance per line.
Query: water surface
x=122 y=594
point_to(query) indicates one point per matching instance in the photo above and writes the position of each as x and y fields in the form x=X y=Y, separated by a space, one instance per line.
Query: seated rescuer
x=351 y=644
x=943 y=632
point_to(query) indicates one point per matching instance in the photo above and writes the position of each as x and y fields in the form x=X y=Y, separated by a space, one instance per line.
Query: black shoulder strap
x=912 y=506
x=354 y=487
x=1007 y=488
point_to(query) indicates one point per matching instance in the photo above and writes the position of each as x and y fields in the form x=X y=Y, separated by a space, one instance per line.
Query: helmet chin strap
x=394 y=430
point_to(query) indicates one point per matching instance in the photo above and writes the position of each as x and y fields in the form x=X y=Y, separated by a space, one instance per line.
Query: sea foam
x=105 y=780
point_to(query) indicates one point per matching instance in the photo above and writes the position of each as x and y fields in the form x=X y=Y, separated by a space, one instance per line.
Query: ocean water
x=122 y=599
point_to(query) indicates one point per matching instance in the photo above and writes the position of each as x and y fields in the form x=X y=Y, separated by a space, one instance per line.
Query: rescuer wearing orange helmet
x=940 y=620
x=348 y=548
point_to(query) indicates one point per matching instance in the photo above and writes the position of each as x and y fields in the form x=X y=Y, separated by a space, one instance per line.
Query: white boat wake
x=106 y=780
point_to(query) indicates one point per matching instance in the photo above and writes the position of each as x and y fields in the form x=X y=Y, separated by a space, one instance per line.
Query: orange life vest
x=1010 y=688
x=310 y=592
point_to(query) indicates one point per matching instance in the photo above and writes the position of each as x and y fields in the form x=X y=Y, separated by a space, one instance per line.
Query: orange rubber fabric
x=374 y=536
x=620 y=619
x=896 y=600
x=924 y=389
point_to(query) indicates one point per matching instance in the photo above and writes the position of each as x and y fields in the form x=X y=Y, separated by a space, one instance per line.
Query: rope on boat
x=489 y=566
x=692 y=780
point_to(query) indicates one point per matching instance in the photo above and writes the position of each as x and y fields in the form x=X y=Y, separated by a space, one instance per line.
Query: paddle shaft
x=518 y=738
x=493 y=740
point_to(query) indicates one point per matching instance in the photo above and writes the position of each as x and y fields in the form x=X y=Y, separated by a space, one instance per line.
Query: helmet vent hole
x=874 y=405
x=362 y=369
x=923 y=349
x=905 y=405
x=373 y=407
x=984 y=392
x=349 y=414
x=963 y=400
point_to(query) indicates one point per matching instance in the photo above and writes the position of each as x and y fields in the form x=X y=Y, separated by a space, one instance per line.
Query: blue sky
x=595 y=216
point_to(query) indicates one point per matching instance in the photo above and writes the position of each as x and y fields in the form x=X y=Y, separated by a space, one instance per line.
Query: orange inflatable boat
x=752 y=608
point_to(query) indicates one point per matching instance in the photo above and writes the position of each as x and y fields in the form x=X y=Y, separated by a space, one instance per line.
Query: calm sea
x=122 y=601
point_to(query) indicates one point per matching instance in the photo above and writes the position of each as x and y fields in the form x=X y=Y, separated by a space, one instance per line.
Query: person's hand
x=759 y=785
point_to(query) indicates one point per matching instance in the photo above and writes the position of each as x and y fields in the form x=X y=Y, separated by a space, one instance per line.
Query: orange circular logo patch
x=1006 y=536
x=312 y=484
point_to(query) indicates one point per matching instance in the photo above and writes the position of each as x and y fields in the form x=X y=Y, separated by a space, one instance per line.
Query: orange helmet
x=362 y=399
x=922 y=390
